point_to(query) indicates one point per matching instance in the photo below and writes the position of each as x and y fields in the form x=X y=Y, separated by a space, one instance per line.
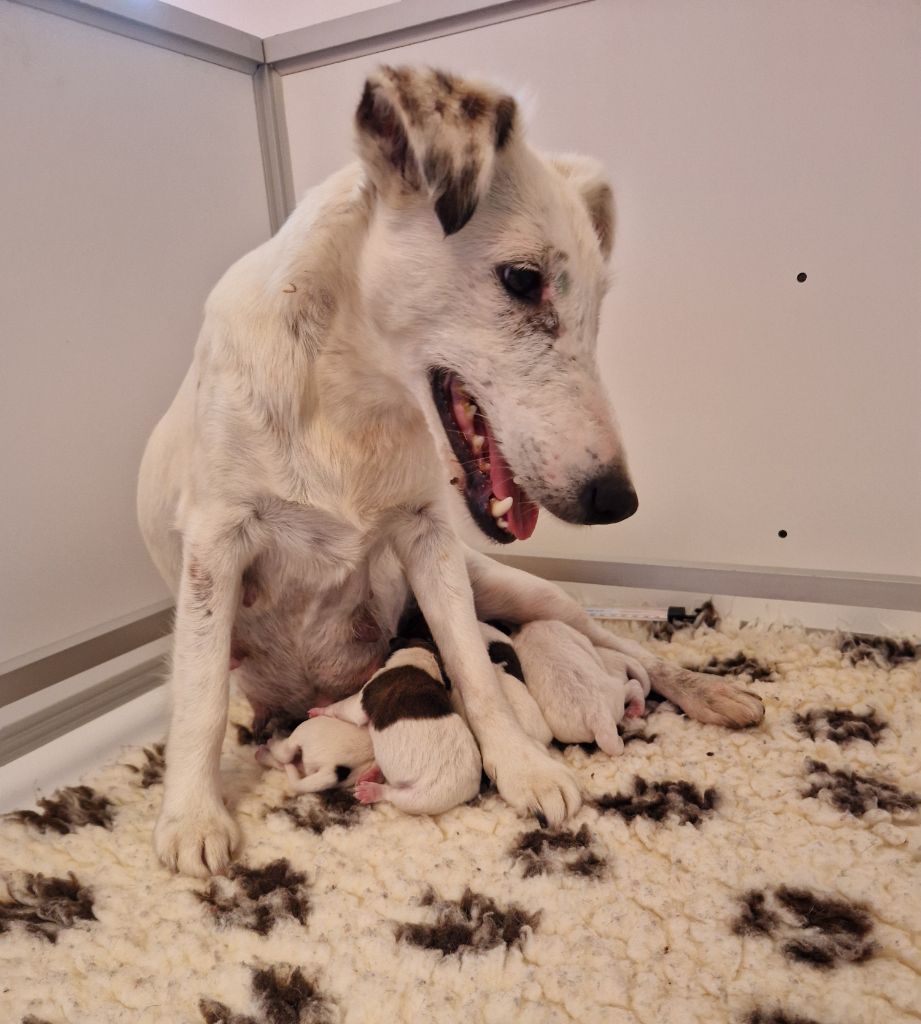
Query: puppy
x=329 y=754
x=427 y=760
x=512 y=681
x=580 y=701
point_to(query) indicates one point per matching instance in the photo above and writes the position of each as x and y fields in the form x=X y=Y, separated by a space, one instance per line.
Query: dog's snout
x=608 y=498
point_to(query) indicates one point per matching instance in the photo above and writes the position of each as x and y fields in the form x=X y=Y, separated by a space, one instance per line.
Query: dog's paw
x=198 y=841
x=711 y=699
x=532 y=782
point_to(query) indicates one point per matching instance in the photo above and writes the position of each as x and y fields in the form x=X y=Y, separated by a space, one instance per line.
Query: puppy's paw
x=712 y=700
x=198 y=840
x=369 y=792
x=373 y=774
x=532 y=782
x=634 y=700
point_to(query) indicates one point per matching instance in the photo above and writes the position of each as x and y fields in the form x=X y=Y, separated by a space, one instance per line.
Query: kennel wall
x=749 y=144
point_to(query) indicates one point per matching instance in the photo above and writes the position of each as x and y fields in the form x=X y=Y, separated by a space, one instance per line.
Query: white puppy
x=321 y=753
x=579 y=699
x=511 y=679
x=422 y=747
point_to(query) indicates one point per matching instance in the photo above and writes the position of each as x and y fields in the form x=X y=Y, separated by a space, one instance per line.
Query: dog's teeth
x=486 y=465
x=470 y=409
x=516 y=481
x=499 y=508
x=478 y=442
x=503 y=523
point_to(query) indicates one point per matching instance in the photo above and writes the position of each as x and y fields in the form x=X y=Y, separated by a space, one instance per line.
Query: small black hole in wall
x=781 y=533
x=800 y=277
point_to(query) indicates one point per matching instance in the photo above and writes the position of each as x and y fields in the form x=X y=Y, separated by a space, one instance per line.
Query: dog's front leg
x=195 y=834
x=501 y=591
x=526 y=776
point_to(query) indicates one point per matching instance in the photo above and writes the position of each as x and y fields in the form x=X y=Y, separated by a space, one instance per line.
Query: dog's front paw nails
x=198 y=841
x=712 y=700
x=532 y=782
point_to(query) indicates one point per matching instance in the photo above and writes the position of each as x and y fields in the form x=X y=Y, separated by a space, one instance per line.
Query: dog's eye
x=522 y=283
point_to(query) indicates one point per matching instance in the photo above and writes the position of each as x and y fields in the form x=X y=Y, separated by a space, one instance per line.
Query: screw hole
x=801 y=277
x=781 y=533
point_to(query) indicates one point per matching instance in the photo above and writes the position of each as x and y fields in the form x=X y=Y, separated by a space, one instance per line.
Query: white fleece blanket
x=771 y=876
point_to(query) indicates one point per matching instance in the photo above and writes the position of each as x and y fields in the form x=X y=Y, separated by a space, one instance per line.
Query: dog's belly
x=299 y=642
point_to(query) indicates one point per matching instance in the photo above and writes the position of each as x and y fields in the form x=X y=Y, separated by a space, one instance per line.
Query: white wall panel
x=748 y=142
x=130 y=177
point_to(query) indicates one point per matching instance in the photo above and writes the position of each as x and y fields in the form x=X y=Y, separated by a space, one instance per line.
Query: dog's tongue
x=522 y=516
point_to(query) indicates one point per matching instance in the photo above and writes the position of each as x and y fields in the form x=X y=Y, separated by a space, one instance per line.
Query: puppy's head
x=485 y=268
x=419 y=655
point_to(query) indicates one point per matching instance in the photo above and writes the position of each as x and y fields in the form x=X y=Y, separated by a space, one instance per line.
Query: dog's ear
x=423 y=131
x=588 y=176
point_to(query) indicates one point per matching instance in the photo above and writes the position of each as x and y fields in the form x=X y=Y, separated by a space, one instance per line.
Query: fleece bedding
x=769 y=876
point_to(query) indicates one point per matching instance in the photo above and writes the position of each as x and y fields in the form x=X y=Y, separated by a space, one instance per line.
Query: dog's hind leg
x=502 y=592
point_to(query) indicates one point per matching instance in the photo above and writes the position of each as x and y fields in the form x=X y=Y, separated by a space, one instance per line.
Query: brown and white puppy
x=580 y=701
x=427 y=760
x=321 y=753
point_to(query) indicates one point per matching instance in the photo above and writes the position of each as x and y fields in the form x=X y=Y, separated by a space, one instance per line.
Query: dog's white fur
x=430 y=764
x=579 y=700
x=311 y=755
x=296 y=488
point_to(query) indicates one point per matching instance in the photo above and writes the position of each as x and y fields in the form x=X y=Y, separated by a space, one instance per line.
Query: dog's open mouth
x=497 y=502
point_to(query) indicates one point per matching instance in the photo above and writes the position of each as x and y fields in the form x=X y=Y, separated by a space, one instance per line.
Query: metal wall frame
x=385 y=28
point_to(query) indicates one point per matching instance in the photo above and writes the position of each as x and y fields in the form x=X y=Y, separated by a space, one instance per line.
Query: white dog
x=428 y=313
x=427 y=760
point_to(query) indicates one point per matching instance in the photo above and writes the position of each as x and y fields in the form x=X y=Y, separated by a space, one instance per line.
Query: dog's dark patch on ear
x=505 y=656
x=401 y=693
x=437 y=168
x=474 y=105
x=474 y=924
x=840 y=725
x=457 y=203
x=403 y=80
x=377 y=117
x=44 y=906
x=343 y=771
x=737 y=665
x=545 y=851
x=808 y=928
x=857 y=794
x=660 y=800
x=283 y=995
x=887 y=652
x=707 y=615
x=445 y=82
x=505 y=120
x=256 y=898
x=777 y=1017
x=67 y=810
x=320 y=811
x=151 y=771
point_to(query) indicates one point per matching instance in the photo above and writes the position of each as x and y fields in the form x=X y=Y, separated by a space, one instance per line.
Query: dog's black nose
x=608 y=498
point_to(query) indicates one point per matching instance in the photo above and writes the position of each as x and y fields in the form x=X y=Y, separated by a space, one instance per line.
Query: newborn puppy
x=423 y=749
x=580 y=701
x=511 y=679
x=329 y=753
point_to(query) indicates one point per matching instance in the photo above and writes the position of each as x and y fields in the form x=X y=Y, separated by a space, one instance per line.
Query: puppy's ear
x=589 y=178
x=423 y=131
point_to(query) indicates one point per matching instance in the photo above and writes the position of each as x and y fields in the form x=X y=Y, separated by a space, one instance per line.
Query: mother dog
x=429 y=313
